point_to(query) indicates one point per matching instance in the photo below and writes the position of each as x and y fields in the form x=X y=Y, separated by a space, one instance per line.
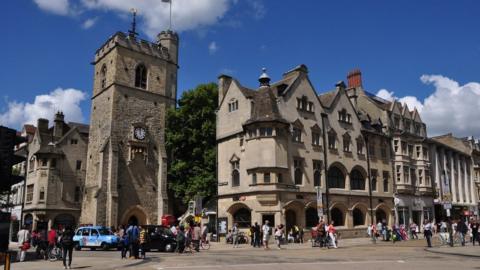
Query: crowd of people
x=133 y=238
x=462 y=231
x=45 y=241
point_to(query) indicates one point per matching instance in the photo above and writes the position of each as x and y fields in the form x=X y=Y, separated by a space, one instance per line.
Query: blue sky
x=49 y=45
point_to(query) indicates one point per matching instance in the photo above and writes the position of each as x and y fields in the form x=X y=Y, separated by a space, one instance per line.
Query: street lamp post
x=325 y=166
x=369 y=185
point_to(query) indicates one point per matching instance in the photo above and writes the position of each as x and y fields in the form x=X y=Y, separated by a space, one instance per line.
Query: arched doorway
x=134 y=215
x=132 y=220
x=290 y=219
x=243 y=218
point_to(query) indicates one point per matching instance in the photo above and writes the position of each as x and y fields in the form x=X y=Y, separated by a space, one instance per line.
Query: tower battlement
x=135 y=44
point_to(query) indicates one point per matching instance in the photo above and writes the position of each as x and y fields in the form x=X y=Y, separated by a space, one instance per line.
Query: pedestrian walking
x=143 y=242
x=197 y=234
x=133 y=235
x=331 y=233
x=266 y=234
x=52 y=239
x=427 y=232
x=474 y=229
x=66 y=242
x=124 y=245
x=23 y=237
x=235 y=235
x=301 y=234
x=181 y=239
x=250 y=232
x=462 y=229
x=413 y=230
x=256 y=235
x=279 y=236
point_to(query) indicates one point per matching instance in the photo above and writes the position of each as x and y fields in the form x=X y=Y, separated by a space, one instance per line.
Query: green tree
x=191 y=143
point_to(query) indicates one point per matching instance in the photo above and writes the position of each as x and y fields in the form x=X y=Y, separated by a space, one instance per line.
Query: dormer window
x=396 y=122
x=407 y=125
x=304 y=105
x=233 y=105
x=141 y=76
x=344 y=117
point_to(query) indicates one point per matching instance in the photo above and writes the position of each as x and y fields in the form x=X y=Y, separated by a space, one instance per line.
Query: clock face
x=139 y=133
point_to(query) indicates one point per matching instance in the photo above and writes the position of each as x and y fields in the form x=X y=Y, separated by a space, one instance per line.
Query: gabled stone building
x=271 y=155
x=403 y=148
x=55 y=173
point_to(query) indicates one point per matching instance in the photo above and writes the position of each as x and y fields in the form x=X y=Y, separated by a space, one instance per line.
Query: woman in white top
x=266 y=234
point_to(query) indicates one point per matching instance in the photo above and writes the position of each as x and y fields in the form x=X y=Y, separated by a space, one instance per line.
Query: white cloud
x=385 y=94
x=89 y=23
x=45 y=106
x=450 y=108
x=212 y=47
x=153 y=14
x=60 y=7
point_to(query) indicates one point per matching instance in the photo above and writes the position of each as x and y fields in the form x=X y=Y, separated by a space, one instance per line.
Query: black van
x=160 y=238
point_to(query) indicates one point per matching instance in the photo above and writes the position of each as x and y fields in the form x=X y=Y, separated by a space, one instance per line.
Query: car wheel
x=169 y=248
x=77 y=246
x=104 y=246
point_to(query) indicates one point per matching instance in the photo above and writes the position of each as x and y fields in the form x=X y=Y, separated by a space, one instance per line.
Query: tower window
x=141 y=76
x=103 y=76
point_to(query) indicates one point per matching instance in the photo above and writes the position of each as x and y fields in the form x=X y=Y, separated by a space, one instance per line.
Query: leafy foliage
x=190 y=141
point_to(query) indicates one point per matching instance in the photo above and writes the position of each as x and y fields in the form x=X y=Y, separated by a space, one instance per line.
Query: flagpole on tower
x=170 y=3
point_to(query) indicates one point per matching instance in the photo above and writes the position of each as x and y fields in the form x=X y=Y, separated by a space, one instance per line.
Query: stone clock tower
x=135 y=83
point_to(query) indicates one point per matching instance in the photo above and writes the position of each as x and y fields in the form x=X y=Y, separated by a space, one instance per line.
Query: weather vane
x=132 y=32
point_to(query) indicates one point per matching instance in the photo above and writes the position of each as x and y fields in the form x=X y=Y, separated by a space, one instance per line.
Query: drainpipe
x=325 y=147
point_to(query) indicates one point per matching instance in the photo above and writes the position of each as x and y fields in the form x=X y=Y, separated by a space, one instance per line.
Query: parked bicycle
x=55 y=254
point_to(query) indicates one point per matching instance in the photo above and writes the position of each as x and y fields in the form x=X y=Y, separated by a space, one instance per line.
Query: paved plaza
x=352 y=254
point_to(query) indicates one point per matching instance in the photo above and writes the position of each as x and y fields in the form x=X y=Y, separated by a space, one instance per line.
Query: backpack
x=67 y=238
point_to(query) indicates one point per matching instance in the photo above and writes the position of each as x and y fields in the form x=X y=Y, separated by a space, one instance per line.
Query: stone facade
x=271 y=158
x=135 y=83
x=55 y=173
x=453 y=171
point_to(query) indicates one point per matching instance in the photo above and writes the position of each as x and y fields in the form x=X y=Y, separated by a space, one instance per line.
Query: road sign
x=447 y=206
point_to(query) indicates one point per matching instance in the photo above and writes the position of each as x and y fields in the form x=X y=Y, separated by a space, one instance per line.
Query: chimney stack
x=58 y=124
x=354 y=78
x=224 y=82
x=42 y=125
